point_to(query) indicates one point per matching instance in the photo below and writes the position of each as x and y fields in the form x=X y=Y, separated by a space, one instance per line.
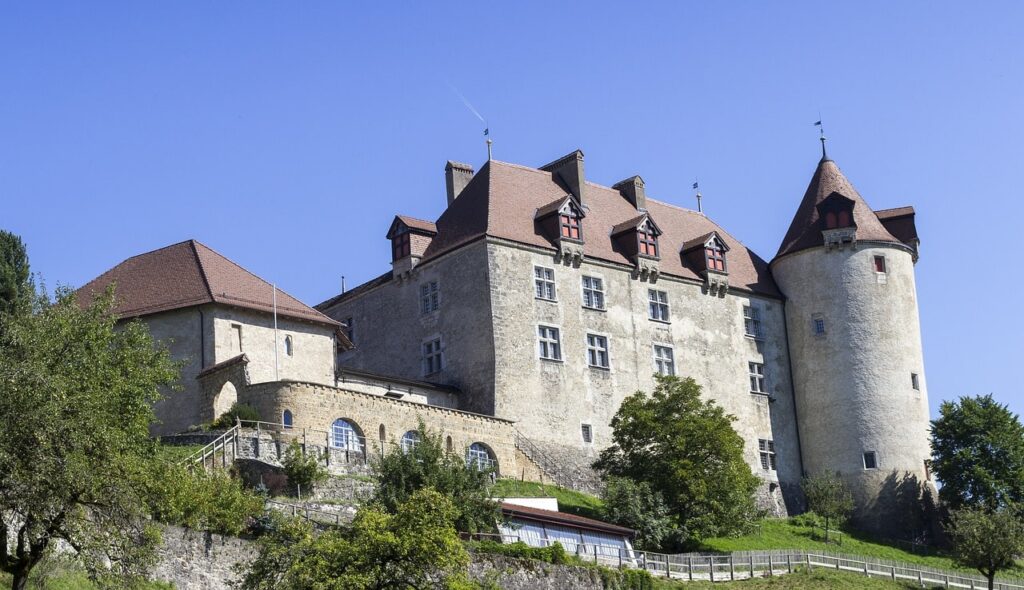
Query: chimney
x=569 y=169
x=633 y=189
x=456 y=176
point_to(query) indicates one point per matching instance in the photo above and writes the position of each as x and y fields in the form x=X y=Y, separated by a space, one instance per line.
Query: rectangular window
x=349 y=326
x=880 y=264
x=818 y=324
x=657 y=305
x=593 y=293
x=647 y=241
x=757 y=378
x=430 y=297
x=664 y=363
x=549 y=343
x=570 y=225
x=766 y=448
x=400 y=246
x=588 y=433
x=433 y=356
x=597 y=351
x=544 y=282
x=752 y=321
x=870 y=460
x=915 y=381
x=236 y=337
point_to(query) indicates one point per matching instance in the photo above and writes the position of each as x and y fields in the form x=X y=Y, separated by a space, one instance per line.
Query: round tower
x=855 y=344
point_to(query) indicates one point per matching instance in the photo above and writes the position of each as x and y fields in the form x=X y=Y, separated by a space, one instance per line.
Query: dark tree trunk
x=991 y=580
x=20 y=579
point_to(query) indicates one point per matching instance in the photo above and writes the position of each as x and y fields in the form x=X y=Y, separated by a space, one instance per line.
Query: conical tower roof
x=805 y=230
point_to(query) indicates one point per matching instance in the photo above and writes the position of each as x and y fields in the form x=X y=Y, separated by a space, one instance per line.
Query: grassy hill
x=818 y=579
x=569 y=501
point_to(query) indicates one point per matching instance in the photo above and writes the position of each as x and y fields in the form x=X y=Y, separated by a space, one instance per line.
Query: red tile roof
x=418 y=224
x=188 y=274
x=563 y=518
x=805 y=230
x=502 y=201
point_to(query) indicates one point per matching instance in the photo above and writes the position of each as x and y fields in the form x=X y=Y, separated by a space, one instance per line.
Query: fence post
x=328 y=449
x=920 y=579
x=751 y=565
x=893 y=573
x=808 y=562
x=771 y=569
x=257 y=439
x=866 y=572
x=789 y=563
x=945 y=581
x=732 y=567
x=689 y=566
x=711 y=566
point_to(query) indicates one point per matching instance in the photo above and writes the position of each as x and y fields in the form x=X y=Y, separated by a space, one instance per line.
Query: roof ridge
x=415 y=218
x=202 y=269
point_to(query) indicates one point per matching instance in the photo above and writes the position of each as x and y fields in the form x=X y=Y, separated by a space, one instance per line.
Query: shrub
x=808 y=519
x=554 y=554
x=237 y=412
x=303 y=469
x=213 y=502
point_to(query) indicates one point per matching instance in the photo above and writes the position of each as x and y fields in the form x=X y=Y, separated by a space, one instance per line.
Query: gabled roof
x=501 y=197
x=635 y=223
x=416 y=225
x=563 y=518
x=556 y=205
x=700 y=241
x=187 y=274
x=805 y=229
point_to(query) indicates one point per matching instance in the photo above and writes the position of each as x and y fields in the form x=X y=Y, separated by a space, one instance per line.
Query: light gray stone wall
x=181 y=331
x=404 y=391
x=853 y=384
x=550 y=400
x=389 y=328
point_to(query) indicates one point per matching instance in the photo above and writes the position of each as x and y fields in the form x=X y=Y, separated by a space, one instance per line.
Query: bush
x=625 y=579
x=554 y=554
x=237 y=412
x=213 y=502
x=807 y=519
x=635 y=505
x=303 y=470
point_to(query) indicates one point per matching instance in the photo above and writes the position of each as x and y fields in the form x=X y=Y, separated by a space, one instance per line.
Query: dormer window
x=714 y=255
x=400 y=247
x=836 y=211
x=647 y=240
x=834 y=219
x=570 y=223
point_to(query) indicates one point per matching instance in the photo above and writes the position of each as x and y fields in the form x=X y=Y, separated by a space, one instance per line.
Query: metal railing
x=207 y=456
x=312 y=515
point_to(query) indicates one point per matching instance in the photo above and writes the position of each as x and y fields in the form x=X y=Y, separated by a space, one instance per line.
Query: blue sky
x=287 y=135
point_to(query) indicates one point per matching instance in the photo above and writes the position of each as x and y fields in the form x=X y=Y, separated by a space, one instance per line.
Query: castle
x=518 y=321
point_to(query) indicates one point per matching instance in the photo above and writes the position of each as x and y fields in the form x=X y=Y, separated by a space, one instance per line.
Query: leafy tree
x=635 y=505
x=196 y=499
x=685 y=449
x=76 y=400
x=402 y=472
x=243 y=412
x=986 y=540
x=829 y=497
x=978 y=454
x=417 y=546
x=16 y=289
x=303 y=470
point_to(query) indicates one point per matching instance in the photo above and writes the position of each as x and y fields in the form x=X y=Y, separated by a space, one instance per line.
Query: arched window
x=288 y=345
x=286 y=419
x=345 y=435
x=448 y=445
x=382 y=432
x=480 y=457
x=410 y=440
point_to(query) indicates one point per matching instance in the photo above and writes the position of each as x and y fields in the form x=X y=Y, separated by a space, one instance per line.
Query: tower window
x=549 y=343
x=400 y=247
x=593 y=293
x=430 y=297
x=880 y=264
x=818 y=324
x=588 y=433
x=570 y=224
x=757 y=384
x=664 y=363
x=647 y=240
x=870 y=460
x=236 y=337
x=544 y=283
x=286 y=419
x=766 y=449
x=657 y=305
x=289 y=345
x=915 y=381
x=597 y=351
x=752 y=321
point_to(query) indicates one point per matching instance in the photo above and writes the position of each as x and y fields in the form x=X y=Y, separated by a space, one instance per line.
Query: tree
x=415 y=547
x=986 y=540
x=75 y=451
x=829 y=497
x=685 y=449
x=978 y=454
x=16 y=288
x=303 y=470
x=426 y=464
x=635 y=505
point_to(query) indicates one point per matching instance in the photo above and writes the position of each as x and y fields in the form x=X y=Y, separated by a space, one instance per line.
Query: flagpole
x=277 y=376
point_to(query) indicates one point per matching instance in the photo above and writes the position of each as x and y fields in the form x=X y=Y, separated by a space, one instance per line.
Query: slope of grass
x=68 y=579
x=817 y=579
x=569 y=501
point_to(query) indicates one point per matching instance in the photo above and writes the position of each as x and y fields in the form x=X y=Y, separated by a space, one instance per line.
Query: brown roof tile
x=187 y=274
x=502 y=199
x=563 y=518
x=805 y=230
x=418 y=224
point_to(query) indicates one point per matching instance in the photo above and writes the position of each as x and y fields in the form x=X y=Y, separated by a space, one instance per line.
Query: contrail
x=468 y=105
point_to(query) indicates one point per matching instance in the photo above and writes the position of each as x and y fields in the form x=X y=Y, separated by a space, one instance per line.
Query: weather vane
x=821 y=128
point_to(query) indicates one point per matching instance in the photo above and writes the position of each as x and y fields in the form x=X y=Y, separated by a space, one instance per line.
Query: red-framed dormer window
x=400 y=246
x=714 y=253
x=835 y=219
x=570 y=223
x=647 y=240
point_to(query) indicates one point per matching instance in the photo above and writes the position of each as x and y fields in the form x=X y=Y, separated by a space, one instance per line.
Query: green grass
x=55 y=574
x=778 y=533
x=816 y=579
x=569 y=501
x=177 y=453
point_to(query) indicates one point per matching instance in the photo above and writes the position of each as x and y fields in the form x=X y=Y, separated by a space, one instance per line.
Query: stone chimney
x=633 y=189
x=456 y=176
x=569 y=169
